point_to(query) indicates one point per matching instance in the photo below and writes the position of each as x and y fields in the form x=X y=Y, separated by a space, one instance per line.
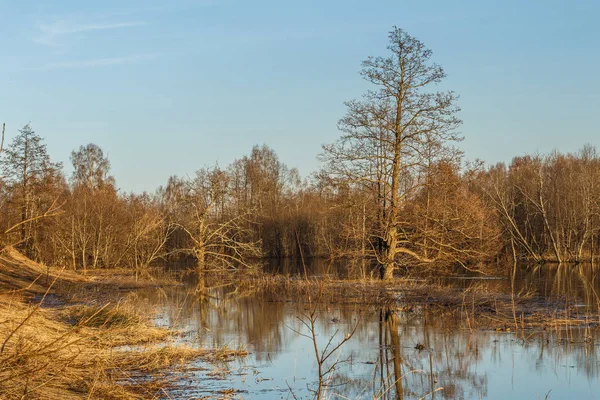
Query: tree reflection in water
x=395 y=354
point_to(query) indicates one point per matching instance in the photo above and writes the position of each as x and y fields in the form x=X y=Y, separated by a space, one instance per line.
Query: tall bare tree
x=386 y=134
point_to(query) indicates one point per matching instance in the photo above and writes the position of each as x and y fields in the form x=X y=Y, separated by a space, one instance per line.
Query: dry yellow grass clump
x=82 y=350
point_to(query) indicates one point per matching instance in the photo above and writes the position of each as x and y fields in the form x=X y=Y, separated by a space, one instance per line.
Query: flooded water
x=402 y=355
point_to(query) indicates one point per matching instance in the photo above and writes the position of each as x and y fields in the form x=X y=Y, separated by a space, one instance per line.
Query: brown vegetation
x=549 y=206
x=73 y=350
x=479 y=307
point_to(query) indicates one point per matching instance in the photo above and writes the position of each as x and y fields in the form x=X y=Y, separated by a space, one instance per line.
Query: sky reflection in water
x=483 y=364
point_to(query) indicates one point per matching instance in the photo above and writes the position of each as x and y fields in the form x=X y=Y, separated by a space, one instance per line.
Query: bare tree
x=146 y=233
x=449 y=223
x=547 y=205
x=90 y=167
x=386 y=134
x=218 y=238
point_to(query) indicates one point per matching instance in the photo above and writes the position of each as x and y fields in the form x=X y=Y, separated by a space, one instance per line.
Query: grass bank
x=68 y=336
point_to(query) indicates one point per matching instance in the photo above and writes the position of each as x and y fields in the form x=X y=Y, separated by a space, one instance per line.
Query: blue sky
x=168 y=87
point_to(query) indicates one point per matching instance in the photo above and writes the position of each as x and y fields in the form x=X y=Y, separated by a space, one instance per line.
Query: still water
x=413 y=354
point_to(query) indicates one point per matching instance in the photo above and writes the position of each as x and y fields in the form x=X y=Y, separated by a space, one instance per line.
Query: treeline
x=393 y=192
x=548 y=205
x=540 y=208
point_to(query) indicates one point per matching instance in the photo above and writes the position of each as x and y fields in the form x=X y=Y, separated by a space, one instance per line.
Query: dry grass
x=477 y=307
x=280 y=288
x=80 y=350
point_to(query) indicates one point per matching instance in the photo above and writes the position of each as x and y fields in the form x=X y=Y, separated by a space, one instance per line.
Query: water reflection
x=576 y=282
x=393 y=355
x=340 y=268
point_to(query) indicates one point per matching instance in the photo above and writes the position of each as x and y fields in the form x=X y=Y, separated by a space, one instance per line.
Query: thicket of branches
x=541 y=208
x=393 y=191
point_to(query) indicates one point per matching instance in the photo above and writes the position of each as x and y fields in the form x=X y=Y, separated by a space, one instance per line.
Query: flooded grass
x=434 y=349
x=450 y=338
x=234 y=336
x=480 y=306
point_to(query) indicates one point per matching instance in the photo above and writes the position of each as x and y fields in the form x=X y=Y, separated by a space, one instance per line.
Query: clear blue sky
x=167 y=87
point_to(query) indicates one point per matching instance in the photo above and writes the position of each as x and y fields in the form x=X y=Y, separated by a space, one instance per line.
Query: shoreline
x=79 y=343
x=66 y=335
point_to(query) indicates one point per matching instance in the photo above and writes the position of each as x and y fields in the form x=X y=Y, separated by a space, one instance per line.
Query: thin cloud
x=55 y=33
x=98 y=62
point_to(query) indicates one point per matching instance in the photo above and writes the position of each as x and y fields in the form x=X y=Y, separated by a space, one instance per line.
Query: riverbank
x=68 y=336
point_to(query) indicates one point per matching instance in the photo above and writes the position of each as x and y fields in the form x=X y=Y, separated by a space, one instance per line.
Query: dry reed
x=82 y=350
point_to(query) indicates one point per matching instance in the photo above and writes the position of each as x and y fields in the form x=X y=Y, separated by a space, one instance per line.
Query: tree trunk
x=200 y=268
x=391 y=320
x=551 y=234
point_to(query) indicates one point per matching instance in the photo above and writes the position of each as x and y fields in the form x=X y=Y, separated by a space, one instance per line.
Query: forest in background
x=393 y=192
